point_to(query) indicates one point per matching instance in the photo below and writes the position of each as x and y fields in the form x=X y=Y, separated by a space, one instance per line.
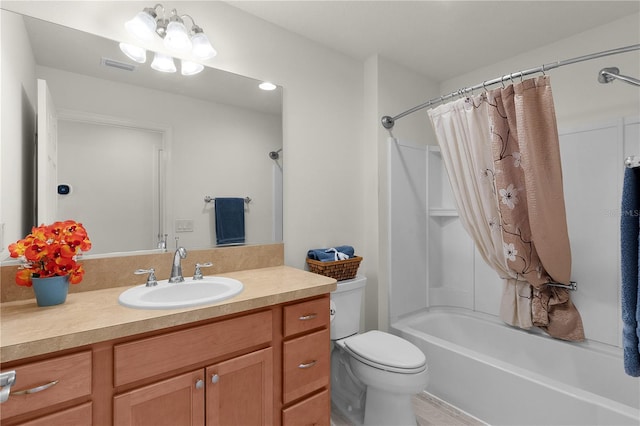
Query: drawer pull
x=308 y=365
x=215 y=379
x=36 y=389
x=7 y=380
x=199 y=384
x=308 y=317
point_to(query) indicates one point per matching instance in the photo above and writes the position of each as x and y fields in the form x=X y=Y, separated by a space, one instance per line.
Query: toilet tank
x=346 y=306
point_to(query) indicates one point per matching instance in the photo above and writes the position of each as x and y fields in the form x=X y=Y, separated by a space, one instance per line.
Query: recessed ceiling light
x=267 y=86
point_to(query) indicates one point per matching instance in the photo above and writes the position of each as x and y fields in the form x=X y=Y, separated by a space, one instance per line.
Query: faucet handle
x=151 y=279
x=197 y=275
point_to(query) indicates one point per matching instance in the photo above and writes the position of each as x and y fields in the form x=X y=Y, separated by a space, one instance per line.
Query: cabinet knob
x=199 y=384
x=215 y=379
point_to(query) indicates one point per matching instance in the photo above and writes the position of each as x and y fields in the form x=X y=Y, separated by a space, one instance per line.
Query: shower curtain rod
x=388 y=122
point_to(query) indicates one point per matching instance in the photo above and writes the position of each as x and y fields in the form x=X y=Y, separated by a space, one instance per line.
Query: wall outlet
x=184 y=225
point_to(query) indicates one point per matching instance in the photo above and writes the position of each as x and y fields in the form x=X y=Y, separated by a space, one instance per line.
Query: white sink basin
x=191 y=292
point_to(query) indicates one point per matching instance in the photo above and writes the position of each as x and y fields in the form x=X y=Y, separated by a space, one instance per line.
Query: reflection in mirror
x=139 y=150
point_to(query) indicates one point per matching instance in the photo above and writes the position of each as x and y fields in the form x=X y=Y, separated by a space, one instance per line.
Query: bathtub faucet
x=176 y=267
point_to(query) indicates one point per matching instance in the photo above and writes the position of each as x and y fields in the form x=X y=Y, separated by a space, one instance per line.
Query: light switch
x=184 y=225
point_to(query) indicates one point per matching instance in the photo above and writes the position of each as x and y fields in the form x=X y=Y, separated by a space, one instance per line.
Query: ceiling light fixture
x=143 y=25
x=152 y=22
x=163 y=63
x=176 y=35
x=190 y=68
x=134 y=53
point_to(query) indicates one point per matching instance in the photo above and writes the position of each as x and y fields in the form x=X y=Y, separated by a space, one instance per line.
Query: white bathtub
x=507 y=376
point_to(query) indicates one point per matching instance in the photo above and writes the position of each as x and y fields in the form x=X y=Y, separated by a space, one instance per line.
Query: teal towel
x=229 y=220
x=630 y=252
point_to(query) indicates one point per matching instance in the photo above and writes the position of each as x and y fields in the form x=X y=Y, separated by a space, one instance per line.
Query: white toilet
x=374 y=374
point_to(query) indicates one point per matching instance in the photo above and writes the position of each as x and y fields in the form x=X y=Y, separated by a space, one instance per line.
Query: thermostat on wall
x=64 y=189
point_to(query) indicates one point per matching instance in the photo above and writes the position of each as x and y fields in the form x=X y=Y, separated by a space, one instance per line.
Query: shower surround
x=449 y=305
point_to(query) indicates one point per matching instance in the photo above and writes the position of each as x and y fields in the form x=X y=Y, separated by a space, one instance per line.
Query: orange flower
x=76 y=275
x=51 y=250
x=23 y=277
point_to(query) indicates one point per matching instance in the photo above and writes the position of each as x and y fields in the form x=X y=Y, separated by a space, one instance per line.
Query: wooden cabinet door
x=240 y=390
x=175 y=401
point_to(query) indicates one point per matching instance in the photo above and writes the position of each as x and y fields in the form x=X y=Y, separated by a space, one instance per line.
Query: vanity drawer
x=305 y=364
x=306 y=316
x=157 y=355
x=76 y=416
x=314 y=410
x=61 y=379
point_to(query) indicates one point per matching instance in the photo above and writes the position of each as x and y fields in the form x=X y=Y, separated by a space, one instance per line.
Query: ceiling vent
x=117 y=64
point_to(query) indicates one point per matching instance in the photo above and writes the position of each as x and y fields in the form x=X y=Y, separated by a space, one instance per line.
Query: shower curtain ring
x=484 y=86
x=543 y=74
x=502 y=82
x=521 y=76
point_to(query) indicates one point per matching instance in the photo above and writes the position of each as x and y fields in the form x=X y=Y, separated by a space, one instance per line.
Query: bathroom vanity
x=261 y=357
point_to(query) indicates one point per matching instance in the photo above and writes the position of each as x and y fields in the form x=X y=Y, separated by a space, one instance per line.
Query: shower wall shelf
x=441 y=202
x=442 y=212
x=450 y=251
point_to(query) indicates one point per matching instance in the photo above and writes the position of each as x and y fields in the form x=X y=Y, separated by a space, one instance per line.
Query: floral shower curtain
x=502 y=155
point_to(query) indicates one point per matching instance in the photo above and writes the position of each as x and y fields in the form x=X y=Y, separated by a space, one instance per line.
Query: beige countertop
x=94 y=316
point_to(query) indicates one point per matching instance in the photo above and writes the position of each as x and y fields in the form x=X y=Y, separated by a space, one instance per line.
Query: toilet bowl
x=373 y=374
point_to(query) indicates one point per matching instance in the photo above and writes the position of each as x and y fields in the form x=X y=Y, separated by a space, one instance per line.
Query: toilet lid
x=386 y=351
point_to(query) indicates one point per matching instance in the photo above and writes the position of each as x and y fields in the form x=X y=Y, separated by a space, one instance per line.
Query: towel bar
x=208 y=199
x=571 y=286
x=632 y=162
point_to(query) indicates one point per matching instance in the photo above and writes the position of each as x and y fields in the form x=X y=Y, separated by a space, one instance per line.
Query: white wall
x=17 y=133
x=578 y=96
x=396 y=89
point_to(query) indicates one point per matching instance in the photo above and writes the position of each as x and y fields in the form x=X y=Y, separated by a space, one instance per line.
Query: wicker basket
x=340 y=269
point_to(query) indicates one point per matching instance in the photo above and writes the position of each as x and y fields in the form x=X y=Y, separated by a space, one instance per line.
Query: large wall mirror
x=140 y=150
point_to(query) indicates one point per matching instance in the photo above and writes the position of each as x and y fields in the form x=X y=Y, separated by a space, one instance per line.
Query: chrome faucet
x=176 y=268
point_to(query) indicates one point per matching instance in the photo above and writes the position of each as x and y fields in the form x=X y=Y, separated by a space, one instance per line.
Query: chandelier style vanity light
x=148 y=24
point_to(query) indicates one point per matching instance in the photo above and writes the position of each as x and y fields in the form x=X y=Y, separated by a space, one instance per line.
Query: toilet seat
x=386 y=352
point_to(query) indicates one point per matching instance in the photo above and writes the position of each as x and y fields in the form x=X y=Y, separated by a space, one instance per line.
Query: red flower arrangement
x=51 y=250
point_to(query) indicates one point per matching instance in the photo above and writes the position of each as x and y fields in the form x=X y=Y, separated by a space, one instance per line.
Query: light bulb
x=176 y=37
x=163 y=63
x=190 y=68
x=134 y=53
x=143 y=25
x=202 y=47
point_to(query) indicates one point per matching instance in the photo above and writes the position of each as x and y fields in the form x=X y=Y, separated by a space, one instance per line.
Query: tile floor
x=430 y=411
